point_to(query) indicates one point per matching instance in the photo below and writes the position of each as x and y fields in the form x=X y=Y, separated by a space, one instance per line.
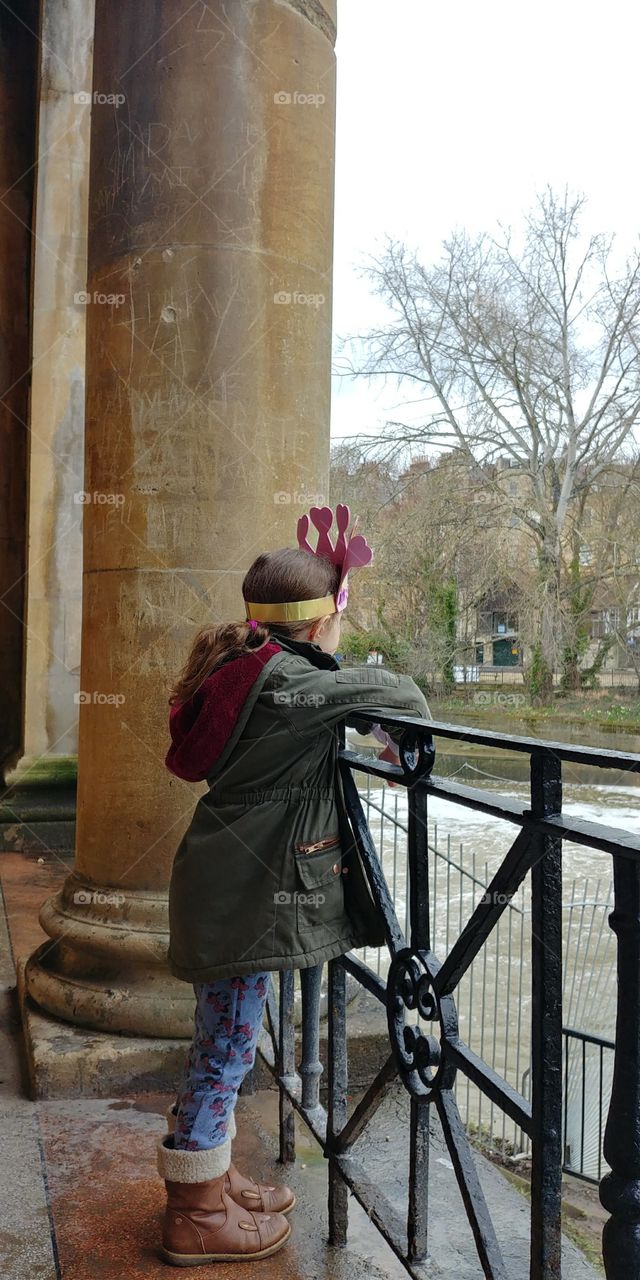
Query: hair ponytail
x=274 y=577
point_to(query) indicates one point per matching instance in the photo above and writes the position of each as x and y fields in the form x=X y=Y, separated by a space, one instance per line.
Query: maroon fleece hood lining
x=201 y=727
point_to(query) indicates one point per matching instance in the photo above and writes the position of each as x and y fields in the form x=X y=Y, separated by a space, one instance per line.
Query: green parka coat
x=257 y=881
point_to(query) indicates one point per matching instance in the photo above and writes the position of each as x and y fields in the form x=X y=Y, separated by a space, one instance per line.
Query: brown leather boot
x=202 y=1223
x=249 y=1194
x=260 y=1196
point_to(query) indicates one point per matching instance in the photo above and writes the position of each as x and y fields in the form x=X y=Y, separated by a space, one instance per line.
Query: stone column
x=207 y=429
x=39 y=810
x=18 y=79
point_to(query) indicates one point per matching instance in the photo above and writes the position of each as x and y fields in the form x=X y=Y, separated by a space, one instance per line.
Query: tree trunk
x=548 y=630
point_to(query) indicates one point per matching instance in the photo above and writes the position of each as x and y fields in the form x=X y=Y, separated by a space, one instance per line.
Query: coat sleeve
x=314 y=701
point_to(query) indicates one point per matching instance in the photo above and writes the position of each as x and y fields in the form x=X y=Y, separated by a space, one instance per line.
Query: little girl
x=258 y=881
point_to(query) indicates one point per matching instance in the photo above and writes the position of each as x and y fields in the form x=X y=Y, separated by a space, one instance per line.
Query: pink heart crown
x=351 y=550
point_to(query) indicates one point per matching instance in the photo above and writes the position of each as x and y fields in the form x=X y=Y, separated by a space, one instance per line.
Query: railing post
x=337 y=1109
x=310 y=1066
x=287 y=1067
x=418 y=1215
x=620 y=1189
x=418 y=1209
x=418 y=854
x=546 y=1030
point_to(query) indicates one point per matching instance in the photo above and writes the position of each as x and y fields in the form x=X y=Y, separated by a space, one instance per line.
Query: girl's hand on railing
x=390 y=757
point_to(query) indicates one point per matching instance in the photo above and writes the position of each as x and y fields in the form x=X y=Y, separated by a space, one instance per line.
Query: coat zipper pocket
x=310 y=846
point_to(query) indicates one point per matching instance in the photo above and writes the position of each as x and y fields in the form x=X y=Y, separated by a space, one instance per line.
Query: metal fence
x=421 y=987
x=495 y=994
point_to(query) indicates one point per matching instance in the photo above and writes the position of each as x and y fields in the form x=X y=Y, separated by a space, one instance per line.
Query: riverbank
x=613 y=711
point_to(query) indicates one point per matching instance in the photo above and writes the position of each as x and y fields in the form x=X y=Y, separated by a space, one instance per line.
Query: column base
x=105 y=967
x=65 y=1061
x=38 y=807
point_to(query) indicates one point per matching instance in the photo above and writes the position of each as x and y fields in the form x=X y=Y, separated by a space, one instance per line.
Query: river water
x=608 y=796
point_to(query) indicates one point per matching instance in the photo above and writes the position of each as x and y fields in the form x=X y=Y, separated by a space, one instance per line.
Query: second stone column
x=207 y=429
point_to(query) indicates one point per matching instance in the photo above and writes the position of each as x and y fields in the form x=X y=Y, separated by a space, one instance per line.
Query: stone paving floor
x=81 y=1199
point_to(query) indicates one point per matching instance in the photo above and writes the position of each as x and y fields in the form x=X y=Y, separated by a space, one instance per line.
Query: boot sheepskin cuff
x=192 y=1166
x=170 y=1116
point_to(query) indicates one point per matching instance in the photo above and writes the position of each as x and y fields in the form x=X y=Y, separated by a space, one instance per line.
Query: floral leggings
x=228 y=1018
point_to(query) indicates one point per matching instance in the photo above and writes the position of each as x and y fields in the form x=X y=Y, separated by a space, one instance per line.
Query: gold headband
x=291 y=610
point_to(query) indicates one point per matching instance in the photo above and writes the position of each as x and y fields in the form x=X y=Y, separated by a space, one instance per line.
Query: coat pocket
x=368 y=675
x=313 y=846
x=319 y=891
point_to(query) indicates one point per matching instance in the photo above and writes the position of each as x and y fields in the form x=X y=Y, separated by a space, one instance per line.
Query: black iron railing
x=421 y=984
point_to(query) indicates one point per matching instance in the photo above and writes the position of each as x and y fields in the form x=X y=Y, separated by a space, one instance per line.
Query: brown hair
x=274 y=577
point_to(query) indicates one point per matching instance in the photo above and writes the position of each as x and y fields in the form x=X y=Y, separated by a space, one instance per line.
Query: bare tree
x=422 y=587
x=526 y=350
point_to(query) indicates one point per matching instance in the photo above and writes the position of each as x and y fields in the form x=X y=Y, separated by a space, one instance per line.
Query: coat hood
x=201 y=727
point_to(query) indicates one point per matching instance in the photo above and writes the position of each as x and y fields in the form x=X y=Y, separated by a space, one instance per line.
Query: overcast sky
x=457 y=113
